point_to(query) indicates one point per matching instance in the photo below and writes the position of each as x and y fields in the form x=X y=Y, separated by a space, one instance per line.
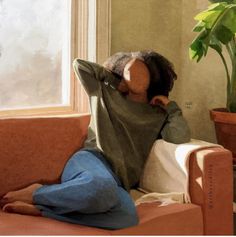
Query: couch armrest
x=202 y=170
x=211 y=187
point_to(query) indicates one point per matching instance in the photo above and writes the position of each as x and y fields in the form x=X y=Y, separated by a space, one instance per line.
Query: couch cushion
x=37 y=149
x=15 y=224
x=154 y=219
x=174 y=219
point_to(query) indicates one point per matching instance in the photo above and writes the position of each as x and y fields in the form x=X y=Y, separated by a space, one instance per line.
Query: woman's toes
x=8 y=208
x=23 y=195
x=5 y=199
x=21 y=208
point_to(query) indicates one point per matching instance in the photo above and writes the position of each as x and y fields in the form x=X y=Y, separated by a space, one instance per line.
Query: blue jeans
x=89 y=194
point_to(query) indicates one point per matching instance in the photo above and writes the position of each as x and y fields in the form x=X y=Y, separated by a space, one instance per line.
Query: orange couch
x=36 y=150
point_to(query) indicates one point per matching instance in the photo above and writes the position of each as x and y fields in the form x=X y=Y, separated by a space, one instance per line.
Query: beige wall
x=165 y=26
x=147 y=24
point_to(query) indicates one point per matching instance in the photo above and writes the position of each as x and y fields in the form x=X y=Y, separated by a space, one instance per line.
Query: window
x=39 y=39
x=35 y=53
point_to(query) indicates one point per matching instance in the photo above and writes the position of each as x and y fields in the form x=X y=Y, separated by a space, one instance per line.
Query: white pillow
x=162 y=173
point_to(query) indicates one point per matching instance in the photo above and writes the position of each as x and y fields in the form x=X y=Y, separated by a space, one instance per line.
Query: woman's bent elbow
x=178 y=137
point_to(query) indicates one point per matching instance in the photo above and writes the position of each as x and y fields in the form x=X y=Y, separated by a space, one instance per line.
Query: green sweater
x=124 y=130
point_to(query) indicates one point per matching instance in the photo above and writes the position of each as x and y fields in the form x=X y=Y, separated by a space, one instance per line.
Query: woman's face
x=136 y=77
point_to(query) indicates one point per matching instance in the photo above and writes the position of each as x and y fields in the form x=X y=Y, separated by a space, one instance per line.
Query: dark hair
x=116 y=63
x=162 y=74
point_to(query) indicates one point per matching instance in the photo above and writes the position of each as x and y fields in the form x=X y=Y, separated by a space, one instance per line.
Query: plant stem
x=233 y=80
x=228 y=78
x=233 y=74
x=233 y=46
x=230 y=51
x=231 y=84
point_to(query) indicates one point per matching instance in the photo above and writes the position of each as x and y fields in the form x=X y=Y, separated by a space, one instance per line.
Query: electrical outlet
x=188 y=104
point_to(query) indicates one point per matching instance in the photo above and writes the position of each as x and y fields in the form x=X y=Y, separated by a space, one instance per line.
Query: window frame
x=80 y=45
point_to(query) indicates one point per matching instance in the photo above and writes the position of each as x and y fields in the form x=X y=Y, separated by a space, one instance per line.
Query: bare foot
x=21 y=208
x=25 y=195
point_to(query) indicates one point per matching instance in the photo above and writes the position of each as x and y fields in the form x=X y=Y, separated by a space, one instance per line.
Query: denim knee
x=131 y=220
x=123 y=219
x=102 y=196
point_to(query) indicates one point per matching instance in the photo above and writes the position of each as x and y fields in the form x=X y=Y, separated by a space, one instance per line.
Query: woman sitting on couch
x=130 y=109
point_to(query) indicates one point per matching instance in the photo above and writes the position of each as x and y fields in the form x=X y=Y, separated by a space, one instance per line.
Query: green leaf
x=204 y=15
x=229 y=20
x=208 y=17
x=205 y=39
x=223 y=34
x=196 y=50
x=199 y=46
x=215 y=44
x=217 y=6
x=200 y=54
x=227 y=1
x=199 y=26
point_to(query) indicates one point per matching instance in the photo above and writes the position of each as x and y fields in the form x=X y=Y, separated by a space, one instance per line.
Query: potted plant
x=216 y=29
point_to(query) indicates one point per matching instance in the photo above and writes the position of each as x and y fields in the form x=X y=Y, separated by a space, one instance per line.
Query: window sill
x=41 y=112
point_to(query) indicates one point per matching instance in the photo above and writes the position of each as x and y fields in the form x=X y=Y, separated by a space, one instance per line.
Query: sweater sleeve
x=92 y=74
x=176 y=129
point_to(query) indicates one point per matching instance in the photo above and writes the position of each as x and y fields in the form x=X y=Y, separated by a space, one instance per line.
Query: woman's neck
x=141 y=98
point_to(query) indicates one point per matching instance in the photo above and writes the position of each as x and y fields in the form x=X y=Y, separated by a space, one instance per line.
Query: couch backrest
x=36 y=149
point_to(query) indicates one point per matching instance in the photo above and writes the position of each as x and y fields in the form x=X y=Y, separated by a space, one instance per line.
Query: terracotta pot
x=225 y=126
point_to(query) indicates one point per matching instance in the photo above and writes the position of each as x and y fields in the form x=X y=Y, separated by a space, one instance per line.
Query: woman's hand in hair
x=160 y=100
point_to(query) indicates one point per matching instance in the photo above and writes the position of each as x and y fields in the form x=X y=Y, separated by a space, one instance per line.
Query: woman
x=130 y=109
